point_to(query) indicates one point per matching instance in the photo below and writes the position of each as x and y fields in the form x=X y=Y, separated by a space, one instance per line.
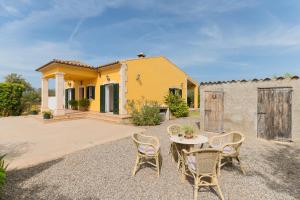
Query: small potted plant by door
x=188 y=131
x=47 y=115
x=84 y=104
x=74 y=104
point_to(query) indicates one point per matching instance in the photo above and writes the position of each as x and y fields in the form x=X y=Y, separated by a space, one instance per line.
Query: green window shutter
x=82 y=93
x=72 y=93
x=180 y=92
x=171 y=91
x=87 y=92
x=93 y=92
x=116 y=98
x=66 y=98
x=102 y=98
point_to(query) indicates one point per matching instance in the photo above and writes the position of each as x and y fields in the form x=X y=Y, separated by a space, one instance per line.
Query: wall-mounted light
x=69 y=84
x=138 y=77
x=107 y=78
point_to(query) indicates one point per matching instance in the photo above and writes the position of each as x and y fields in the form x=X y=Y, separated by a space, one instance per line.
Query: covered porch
x=192 y=93
x=71 y=77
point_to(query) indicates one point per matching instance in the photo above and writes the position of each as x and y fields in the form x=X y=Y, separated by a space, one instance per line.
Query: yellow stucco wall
x=77 y=73
x=114 y=76
x=157 y=75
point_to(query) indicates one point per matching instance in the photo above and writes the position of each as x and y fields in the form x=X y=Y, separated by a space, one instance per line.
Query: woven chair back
x=206 y=161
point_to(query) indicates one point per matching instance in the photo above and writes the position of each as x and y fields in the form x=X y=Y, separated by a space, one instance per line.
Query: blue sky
x=209 y=39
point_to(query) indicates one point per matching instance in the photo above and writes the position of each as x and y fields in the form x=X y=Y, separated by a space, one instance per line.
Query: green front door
x=67 y=96
x=102 y=98
x=116 y=98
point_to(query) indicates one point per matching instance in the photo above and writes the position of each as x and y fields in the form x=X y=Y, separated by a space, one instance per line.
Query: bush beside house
x=145 y=115
x=178 y=107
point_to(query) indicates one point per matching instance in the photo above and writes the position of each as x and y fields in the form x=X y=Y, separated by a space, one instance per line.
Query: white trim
x=89 y=85
x=186 y=89
x=59 y=93
x=122 y=89
x=109 y=82
x=44 y=94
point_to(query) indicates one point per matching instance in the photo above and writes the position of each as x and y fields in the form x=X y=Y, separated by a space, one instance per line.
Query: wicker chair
x=202 y=164
x=229 y=144
x=148 y=149
x=174 y=129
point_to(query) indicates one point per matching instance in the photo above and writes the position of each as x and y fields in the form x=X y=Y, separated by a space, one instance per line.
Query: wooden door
x=274 y=113
x=213 y=111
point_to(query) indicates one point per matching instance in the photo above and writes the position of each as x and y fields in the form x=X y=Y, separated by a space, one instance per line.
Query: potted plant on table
x=84 y=104
x=47 y=115
x=188 y=131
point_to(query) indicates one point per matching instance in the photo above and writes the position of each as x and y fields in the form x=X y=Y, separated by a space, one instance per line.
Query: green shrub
x=3 y=167
x=74 y=104
x=10 y=99
x=177 y=105
x=34 y=112
x=47 y=115
x=84 y=104
x=146 y=115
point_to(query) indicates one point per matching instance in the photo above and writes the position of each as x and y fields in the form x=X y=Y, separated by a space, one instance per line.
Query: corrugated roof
x=253 y=80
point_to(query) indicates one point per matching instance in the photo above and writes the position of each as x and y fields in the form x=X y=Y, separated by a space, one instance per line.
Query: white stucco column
x=44 y=94
x=59 y=94
x=122 y=90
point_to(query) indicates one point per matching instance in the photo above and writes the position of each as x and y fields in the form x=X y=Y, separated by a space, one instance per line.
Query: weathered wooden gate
x=214 y=111
x=274 y=113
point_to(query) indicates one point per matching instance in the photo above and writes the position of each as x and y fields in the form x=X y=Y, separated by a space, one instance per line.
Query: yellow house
x=110 y=86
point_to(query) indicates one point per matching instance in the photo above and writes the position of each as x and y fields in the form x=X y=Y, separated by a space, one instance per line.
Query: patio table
x=185 y=143
x=197 y=140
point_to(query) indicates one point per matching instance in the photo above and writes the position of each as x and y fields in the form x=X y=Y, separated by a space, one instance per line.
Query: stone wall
x=240 y=103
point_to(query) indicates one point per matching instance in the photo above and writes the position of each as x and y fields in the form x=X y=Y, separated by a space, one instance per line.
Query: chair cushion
x=191 y=162
x=228 y=150
x=148 y=150
x=216 y=146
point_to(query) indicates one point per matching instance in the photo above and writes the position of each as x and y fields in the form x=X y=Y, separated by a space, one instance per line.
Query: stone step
x=108 y=117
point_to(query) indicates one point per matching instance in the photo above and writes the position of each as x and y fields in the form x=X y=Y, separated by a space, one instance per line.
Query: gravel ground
x=104 y=172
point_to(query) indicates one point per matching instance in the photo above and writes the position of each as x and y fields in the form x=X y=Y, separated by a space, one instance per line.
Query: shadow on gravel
x=284 y=160
x=14 y=190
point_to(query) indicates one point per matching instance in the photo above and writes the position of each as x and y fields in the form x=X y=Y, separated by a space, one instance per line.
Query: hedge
x=10 y=99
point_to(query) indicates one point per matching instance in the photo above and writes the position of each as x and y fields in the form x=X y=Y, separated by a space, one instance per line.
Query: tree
x=16 y=78
x=30 y=95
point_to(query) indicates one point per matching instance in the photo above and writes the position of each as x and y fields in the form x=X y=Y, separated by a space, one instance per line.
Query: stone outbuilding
x=267 y=108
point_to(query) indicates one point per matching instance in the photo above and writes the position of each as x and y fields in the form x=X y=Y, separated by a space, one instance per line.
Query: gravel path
x=104 y=172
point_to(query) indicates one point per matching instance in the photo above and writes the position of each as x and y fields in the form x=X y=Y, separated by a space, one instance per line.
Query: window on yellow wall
x=90 y=92
x=175 y=91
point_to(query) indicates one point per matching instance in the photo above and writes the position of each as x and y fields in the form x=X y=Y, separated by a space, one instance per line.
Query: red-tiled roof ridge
x=67 y=62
